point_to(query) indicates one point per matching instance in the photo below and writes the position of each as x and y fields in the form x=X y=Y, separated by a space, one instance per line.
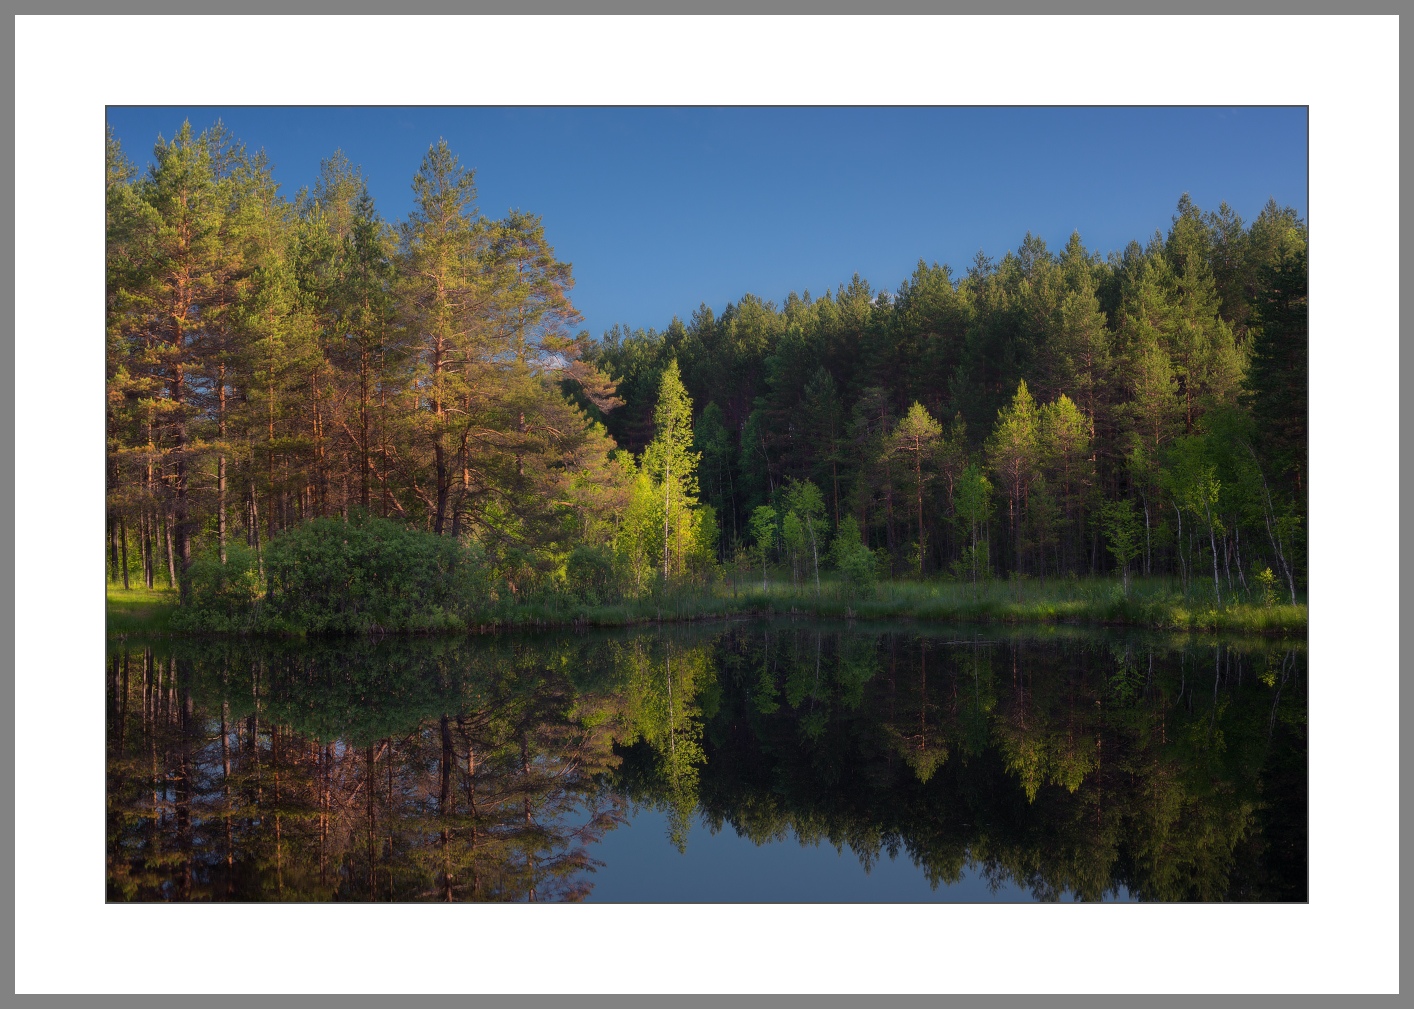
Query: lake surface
x=726 y=762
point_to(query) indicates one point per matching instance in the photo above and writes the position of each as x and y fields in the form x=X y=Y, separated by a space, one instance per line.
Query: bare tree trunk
x=440 y=456
x=1212 y=540
x=835 y=475
x=438 y=449
x=1269 y=514
x=320 y=504
x=1237 y=548
x=1178 y=550
x=1227 y=566
x=123 y=546
x=171 y=565
x=181 y=514
x=363 y=429
x=382 y=433
x=221 y=463
x=255 y=528
x=815 y=551
x=1148 y=548
x=123 y=707
x=889 y=512
x=112 y=547
x=146 y=548
x=918 y=474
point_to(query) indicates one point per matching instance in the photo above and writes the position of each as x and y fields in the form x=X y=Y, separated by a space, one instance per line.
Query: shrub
x=590 y=575
x=331 y=576
x=371 y=574
x=222 y=597
x=1266 y=585
x=854 y=561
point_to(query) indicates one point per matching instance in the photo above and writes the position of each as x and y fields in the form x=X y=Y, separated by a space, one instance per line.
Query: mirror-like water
x=723 y=762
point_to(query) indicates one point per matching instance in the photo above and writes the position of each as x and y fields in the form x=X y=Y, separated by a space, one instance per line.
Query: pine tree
x=916 y=440
x=445 y=301
x=1013 y=451
x=1065 y=448
x=174 y=307
x=1277 y=384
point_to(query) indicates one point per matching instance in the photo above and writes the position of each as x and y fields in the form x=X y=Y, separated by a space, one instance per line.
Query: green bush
x=591 y=576
x=329 y=576
x=1266 y=585
x=854 y=561
x=371 y=574
x=222 y=597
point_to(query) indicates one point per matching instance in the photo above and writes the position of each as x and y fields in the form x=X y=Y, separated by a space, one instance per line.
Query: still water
x=785 y=761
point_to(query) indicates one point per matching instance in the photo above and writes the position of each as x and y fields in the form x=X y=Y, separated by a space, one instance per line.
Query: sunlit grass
x=140 y=609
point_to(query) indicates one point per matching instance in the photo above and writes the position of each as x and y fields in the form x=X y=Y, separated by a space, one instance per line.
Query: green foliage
x=803 y=499
x=222 y=597
x=1277 y=384
x=793 y=539
x=670 y=456
x=670 y=463
x=334 y=577
x=380 y=574
x=705 y=534
x=972 y=501
x=1122 y=534
x=916 y=442
x=715 y=444
x=269 y=360
x=763 y=533
x=1266 y=586
x=591 y=576
x=639 y=539
x=855 y=562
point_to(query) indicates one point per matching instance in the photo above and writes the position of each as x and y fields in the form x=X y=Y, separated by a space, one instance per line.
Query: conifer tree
x=445 y=301
x=1013 y=451
x=916 y=440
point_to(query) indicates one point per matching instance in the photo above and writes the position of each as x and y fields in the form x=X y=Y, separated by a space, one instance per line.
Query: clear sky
x=660 y=209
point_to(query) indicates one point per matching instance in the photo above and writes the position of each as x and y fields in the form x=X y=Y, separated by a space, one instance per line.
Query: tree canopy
x=271 y=362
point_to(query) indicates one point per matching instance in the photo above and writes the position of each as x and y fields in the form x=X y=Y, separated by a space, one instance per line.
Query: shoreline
x=150 y=612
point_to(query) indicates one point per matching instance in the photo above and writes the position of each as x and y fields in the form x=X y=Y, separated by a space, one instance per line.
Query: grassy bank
x=1151 y=603
x=1155 y=604
x=140 y=610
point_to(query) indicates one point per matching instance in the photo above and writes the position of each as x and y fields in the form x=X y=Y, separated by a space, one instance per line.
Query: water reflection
x=487 y=769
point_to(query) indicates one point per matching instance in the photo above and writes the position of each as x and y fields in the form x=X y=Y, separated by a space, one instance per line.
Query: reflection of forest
x=486 y=769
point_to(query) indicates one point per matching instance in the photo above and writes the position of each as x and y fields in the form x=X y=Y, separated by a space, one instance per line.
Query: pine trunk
x=221 y=464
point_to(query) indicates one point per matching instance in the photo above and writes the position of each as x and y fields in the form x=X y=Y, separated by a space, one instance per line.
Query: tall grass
x=1156 y=603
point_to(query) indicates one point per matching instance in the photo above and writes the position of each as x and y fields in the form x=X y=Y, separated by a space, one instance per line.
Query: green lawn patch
x=140 y=610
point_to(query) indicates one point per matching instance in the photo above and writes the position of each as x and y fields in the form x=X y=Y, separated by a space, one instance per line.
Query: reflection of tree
x=219 y=791
x=664 y=680
x=921 y=749
x=485 y=770
x=1074 y=769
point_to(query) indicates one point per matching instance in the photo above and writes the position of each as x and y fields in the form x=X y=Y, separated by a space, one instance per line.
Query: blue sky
x=659 y=209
